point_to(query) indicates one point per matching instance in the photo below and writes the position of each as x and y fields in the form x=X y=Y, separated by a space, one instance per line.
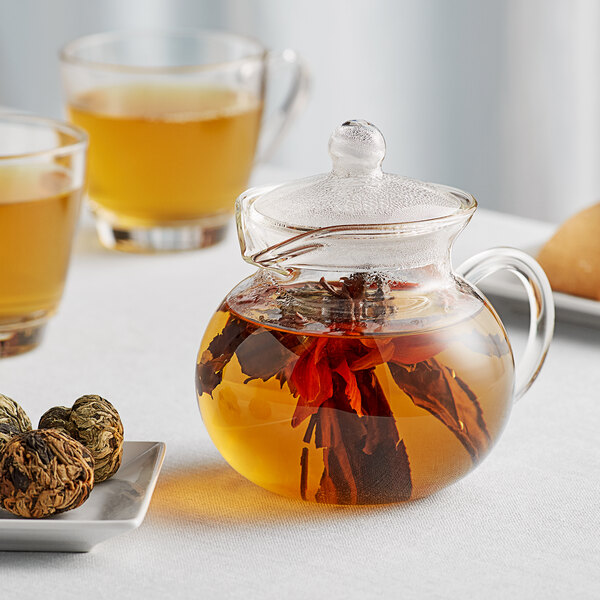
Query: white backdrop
x=499 y=97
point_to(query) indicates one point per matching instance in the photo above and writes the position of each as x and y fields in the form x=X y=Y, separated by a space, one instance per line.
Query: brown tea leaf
x=209 y=371
x=387 y=476
x=262 y=355
x=439 y=391
x=364 y=460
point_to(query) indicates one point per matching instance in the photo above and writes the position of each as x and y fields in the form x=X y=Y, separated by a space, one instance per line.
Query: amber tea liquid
x=38 y=214
x=354 y=419
x=163 y=153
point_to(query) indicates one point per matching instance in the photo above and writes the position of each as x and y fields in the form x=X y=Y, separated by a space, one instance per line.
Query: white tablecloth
x=525 y=524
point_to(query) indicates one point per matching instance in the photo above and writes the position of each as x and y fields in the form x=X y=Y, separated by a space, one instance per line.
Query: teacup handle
x=275 y=125
x=541 y=304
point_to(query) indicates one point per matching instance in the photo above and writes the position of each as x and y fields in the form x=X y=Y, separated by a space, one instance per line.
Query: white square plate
x=573 y=309
x=114 y=507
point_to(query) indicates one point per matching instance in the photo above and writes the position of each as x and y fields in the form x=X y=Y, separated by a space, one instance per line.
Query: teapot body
x=355 y=388
x=355 y=366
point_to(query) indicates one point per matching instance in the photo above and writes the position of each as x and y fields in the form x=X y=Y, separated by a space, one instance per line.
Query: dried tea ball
x=7 y=431
x=58 y=417
x=100 y=430
x=12 y=420
x=13 y=414
x=44 y=472
x=95 y=423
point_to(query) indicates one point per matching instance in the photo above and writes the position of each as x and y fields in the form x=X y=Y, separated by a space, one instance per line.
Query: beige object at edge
x=571 y=258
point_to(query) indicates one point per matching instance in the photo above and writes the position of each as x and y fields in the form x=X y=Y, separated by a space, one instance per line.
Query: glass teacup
x=42 y=164
x=174 y=121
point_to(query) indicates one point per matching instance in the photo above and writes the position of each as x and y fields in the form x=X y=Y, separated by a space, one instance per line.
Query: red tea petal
x=413 y=349
x=381 y=353
x=352 y=391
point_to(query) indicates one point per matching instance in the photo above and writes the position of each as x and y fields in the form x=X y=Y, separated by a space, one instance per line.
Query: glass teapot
x=356 y=366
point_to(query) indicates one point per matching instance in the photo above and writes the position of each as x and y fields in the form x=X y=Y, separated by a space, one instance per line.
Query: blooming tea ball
x=57 y=417
x=94 y=422
x=13 y=420
x=44 y=472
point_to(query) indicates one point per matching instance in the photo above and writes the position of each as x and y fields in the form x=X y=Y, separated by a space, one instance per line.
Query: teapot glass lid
x=357 y=191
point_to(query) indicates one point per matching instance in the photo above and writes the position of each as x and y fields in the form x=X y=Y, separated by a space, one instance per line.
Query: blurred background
x=498 y=97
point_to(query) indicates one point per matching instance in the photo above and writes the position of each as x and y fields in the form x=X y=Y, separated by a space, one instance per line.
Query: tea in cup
x=42 y=166
x=174 y=121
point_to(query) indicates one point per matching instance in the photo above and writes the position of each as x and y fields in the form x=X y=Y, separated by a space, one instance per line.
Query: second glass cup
x=174 y=121
x=42 y=165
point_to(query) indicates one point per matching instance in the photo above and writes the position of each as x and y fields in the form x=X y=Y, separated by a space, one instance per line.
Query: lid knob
x=357 y=148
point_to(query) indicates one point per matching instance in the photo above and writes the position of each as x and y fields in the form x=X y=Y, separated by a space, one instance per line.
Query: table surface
x=525 y=524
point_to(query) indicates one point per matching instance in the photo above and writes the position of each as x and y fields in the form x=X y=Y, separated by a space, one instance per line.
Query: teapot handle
x=541 y=304
x=275 y=125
